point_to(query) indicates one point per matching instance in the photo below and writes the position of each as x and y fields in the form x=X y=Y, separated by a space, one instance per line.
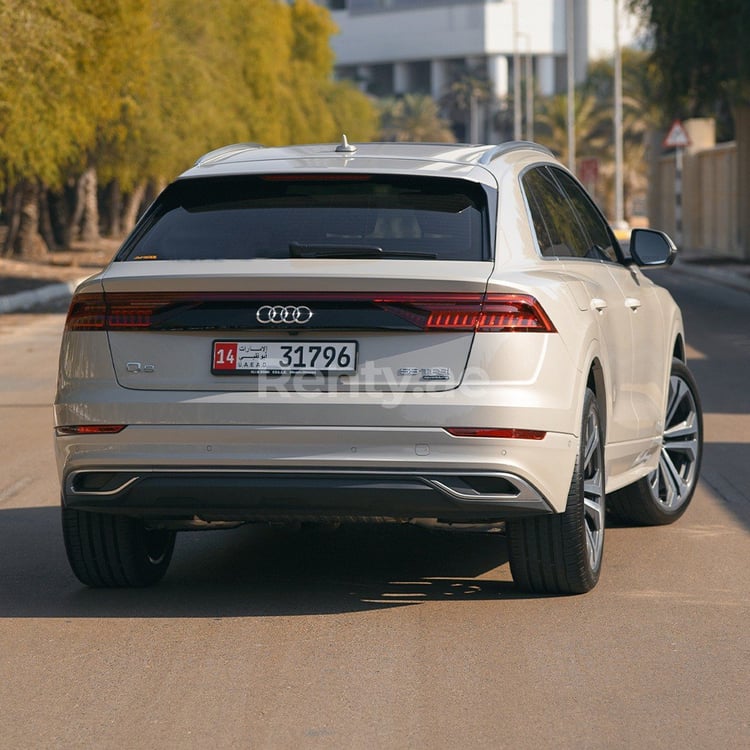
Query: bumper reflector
x=89 y=429
x=490 y=432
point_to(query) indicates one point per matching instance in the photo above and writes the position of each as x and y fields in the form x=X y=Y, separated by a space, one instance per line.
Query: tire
x=562 y=553
x=664 y=495
x=110 y=551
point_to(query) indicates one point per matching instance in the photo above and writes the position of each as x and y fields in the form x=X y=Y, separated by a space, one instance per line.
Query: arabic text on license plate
x=275 y=357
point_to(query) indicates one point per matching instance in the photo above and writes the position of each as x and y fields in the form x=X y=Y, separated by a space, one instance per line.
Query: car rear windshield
x=314 y=215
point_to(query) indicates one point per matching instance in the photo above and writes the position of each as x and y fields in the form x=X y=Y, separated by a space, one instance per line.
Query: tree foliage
x=470 y=89
x=41 y=45
x=590 y=123
x=413 y=117
x=701 y=51
x=138 y=89
x=594 y=121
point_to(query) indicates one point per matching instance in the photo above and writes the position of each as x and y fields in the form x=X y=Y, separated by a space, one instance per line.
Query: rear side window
x=600 y=242
x=565 y=221
x=558 y=231
x=314 y=215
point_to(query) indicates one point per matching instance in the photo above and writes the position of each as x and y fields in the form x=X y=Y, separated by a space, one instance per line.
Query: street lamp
x=528 y=76
x=529 y=96
x=619 y=202
x=517 y=113
x=570 y=41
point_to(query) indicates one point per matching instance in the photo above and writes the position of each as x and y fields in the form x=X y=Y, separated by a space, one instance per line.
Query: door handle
x=632 y=303
x=598 y=304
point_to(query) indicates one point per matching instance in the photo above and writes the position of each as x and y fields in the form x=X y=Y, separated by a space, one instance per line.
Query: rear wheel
x=108 y=551
x=562 y=553
x=664 y=495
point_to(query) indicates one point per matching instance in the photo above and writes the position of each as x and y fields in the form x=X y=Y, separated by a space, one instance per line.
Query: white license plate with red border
x=283 y=357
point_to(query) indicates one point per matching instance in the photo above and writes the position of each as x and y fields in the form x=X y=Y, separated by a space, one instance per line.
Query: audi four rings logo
x=278 y=314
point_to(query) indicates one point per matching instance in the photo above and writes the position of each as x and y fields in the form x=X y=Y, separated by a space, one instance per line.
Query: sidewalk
x=37 y=295
x=730 y=273
x=24 y=285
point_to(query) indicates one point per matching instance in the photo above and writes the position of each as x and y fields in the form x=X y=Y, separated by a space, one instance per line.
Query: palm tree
x=464 y=99
x=413 y=117
x=551 y=125
x=642 y=112
x=594 y=114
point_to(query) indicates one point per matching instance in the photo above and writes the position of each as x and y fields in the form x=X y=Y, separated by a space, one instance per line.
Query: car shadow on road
x=256 y=571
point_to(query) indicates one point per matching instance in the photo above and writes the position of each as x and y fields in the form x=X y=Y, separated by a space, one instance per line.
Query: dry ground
x=66 y=265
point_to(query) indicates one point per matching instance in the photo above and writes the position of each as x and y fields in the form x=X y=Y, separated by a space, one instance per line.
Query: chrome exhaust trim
x=513 y=491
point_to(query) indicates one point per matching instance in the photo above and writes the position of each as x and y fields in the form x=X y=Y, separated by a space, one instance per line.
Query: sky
x=601 y=27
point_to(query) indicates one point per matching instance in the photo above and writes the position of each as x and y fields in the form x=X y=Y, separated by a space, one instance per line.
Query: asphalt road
x=381 y=637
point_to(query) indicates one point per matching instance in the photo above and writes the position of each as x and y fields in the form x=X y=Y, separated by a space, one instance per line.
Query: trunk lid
x=338 y=325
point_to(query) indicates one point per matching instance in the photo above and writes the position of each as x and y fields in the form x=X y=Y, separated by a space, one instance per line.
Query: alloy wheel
x=593 y=490
x=672 y=482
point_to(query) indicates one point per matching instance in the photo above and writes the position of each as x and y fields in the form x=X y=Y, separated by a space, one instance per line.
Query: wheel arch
x=678 y=350
x=596 y=382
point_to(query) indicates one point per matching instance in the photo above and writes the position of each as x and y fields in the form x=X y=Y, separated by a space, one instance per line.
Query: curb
x=33 y=297
x=733 y=279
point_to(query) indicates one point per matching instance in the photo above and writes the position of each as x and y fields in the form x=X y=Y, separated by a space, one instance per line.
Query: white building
x=403 y=46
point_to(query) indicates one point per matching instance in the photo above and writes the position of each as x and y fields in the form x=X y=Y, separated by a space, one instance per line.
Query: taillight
x=492 y=432
x=471 y=312
x=513 y=312
x=449 y=311
x=125 y=311
x=87 y=312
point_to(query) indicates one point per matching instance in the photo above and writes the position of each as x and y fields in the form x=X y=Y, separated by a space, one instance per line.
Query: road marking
x=14 y=489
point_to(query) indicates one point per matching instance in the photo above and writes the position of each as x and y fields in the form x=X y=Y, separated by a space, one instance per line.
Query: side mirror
x=652 y=248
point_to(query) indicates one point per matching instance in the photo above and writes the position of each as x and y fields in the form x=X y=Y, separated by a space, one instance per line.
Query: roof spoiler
x=226 y=151
x=505 y=148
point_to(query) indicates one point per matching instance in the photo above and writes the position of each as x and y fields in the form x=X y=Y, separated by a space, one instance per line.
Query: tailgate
x=298 y=324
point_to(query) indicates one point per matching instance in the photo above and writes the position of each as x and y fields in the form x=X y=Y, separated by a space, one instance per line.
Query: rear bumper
x=295 y=494
x=270 y=471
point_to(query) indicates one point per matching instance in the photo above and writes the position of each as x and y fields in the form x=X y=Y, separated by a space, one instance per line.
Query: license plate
x=283 y=357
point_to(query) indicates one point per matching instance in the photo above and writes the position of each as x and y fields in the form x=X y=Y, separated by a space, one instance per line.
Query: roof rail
x=508 y=146
x=222 y=153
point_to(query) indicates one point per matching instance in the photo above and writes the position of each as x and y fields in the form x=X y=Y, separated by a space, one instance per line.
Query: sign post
x=588 y=174
x=678 y=139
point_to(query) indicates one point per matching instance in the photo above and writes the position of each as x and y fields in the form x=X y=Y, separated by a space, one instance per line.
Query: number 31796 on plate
x=283 y=357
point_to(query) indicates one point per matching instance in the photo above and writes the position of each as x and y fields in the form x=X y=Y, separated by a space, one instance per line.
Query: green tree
x=132 y=91
x=641 y=87
x=41 y=49
x=465 y=95
x=642 y=111
x=66 y=71
x=41 y=52
x=114 y=69
x=321 y=109
x=354 y=114
x=551 y=125
x=594 y=121
x=701 y=50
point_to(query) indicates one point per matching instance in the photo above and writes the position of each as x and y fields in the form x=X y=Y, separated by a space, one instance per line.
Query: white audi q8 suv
x=404 y=332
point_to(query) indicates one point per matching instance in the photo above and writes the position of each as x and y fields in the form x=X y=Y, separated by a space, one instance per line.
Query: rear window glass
x=298 y=215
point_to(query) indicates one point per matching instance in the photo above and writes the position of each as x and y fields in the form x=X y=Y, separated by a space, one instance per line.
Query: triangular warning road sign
x=677 y=136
